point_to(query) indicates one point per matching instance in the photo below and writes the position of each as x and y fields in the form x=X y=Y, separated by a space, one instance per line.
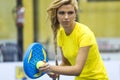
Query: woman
x=79 y=50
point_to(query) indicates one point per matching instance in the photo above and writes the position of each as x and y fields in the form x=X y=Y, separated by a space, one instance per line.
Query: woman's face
x=66 y=15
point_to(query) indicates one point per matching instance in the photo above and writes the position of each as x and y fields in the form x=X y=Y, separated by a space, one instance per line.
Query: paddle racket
x=35 y=53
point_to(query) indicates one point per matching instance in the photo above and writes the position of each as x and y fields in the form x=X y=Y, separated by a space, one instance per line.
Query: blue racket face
x=35 y=52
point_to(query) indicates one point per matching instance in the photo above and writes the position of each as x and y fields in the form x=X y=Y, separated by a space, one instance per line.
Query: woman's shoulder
x=82 y=27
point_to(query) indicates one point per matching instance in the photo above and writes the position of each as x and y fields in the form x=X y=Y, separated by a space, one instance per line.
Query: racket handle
x=54 y=79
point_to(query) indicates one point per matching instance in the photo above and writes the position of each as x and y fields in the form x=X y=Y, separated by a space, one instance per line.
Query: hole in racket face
x=36 y=52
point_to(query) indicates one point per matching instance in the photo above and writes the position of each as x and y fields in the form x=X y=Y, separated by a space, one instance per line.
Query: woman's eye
x=71 y=12
x=61 y=13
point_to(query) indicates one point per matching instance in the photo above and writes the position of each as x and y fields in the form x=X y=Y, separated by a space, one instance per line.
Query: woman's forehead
x=66 y=7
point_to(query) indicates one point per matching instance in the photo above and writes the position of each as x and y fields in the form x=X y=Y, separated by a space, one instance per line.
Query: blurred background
x=23 y=22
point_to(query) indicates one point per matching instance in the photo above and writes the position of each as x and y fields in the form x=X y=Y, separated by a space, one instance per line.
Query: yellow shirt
x=82 y=36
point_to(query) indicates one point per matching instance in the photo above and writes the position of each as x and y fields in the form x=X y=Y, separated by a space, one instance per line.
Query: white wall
x=8 y=71
x=113 y=69
x=111 y=56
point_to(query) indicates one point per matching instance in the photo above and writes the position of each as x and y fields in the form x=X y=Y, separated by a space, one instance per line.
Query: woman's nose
x=66 y=16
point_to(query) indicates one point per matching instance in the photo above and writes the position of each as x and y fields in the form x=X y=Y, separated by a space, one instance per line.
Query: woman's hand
x=44 y=68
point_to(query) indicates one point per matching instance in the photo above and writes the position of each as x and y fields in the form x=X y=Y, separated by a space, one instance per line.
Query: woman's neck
x=68 y=30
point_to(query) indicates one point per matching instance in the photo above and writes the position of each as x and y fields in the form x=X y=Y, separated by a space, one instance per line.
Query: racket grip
x=54 y=79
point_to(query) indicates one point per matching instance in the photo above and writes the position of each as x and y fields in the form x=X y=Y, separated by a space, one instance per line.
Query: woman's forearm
x=66 y=70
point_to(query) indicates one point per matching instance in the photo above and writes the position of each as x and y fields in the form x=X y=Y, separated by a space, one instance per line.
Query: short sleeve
x=86 y=40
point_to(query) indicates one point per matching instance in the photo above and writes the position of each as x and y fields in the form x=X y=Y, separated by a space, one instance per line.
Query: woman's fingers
x=45 y=68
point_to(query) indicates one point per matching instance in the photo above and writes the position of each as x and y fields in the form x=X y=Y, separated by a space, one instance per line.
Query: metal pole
x=19 y=25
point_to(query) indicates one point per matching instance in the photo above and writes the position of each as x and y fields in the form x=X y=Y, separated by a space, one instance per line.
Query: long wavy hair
x=52 y=15
x=52 y=12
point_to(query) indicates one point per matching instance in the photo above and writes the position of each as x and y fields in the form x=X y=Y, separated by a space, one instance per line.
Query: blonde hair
x=52 y=13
